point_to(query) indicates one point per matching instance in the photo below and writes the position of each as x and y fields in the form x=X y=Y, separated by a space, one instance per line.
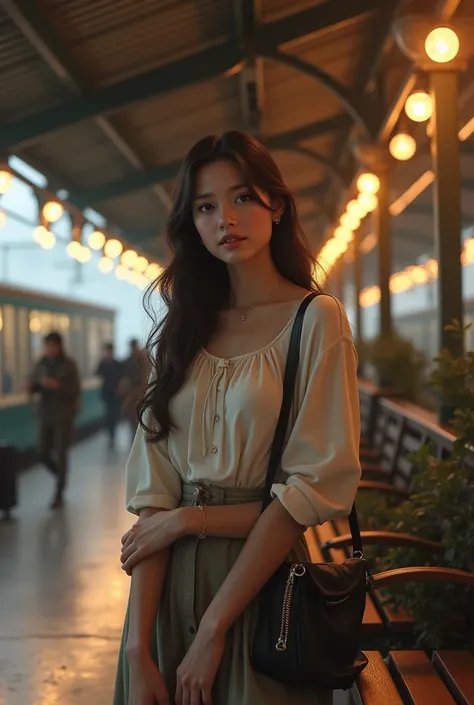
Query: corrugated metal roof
x=81 y=154
x=164 y=128
x=275 y=9
x=27 y=85
x=298 y=171
x=133 y=211
x=114 y=39
x=110 y=40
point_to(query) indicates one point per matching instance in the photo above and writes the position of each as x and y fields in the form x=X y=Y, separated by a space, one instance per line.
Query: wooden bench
x=381 y=618
x=411 y=677
x=400 y=428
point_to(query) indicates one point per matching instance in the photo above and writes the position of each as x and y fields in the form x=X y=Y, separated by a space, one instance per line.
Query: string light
x=419 y=106
x=73 y=249
x=402 y=147
x=96 y=240
x=442 y=45
x=368 y=183
x=113 y=248
x=128 y=258
x=6 y=180
x=105 y=265
x=52 y=211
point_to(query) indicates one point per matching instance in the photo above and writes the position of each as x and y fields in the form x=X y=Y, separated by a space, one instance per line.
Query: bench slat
x=374 y=685
x=313 y=546
x=372 y=621
x=456 y=668
x=417 y=679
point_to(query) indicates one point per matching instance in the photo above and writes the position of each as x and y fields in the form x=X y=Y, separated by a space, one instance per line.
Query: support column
x=383 y=228
x=357 y=285
x=447 y=205
x=338 y=280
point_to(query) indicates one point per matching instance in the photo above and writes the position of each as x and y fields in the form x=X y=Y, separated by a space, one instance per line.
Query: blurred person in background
x=55 y=378
x=110 y=372
x=135 y=371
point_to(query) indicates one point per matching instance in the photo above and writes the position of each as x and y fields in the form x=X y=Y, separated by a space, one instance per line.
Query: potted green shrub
x=453 y=378
x=393 y=363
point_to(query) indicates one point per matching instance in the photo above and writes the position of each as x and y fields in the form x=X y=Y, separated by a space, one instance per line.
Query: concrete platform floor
x=62 y=592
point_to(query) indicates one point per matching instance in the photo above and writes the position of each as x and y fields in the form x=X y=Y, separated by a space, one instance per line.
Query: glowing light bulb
x=52 y=211
x=113 y=248
x=402 y=147
x=73 y=249
x=419 y=106
x=129 y=258
x=368 y=183
x=84 y=255
x=442 y=45
x=48 y=240
x=121 y=272
x=96 y=240
x=38 y=233
x=105 y=265
x=6 y=179
x=153 y=271
x=349 y=221
x=368 y=201
x=140 y=264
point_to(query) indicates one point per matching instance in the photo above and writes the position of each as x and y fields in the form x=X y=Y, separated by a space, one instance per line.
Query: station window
x=9 y=368
x=23 y=347
x=94 y=345
x=1 y=351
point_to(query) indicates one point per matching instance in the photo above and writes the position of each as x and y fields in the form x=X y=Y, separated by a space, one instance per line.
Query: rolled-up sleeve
x=151 y=478
x=321 y=458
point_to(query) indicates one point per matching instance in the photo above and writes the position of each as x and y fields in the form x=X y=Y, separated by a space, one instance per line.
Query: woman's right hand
x=147 y=685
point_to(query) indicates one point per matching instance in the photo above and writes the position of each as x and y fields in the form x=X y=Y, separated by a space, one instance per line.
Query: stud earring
x=277 y=220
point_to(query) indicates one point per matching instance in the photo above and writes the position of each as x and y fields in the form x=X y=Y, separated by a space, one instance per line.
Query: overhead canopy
x=106 y=96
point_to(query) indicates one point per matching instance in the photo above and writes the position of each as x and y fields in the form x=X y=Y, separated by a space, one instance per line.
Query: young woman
x=201 y=549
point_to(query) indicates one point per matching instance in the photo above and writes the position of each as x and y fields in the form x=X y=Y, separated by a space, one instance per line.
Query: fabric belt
x=195 y=492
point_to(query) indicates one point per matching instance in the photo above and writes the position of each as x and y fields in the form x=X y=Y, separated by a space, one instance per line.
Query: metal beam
x=361 y=112
x=251 y=77
x=321 y=159
x=314 y=19
x=32 y=24
x=207 y=64
x=166 y=172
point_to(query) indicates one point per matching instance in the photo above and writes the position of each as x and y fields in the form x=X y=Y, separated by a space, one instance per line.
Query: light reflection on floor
x=62 y=592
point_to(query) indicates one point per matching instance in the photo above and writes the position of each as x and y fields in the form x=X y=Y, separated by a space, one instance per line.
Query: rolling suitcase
x=8 y=477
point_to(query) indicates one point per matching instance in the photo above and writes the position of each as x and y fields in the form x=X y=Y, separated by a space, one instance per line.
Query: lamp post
x=441 y=51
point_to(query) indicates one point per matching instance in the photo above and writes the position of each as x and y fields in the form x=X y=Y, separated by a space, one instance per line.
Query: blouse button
x=217 y=418
x=214 y=450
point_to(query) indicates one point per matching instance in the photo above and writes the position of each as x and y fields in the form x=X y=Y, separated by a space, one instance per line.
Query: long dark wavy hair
x=195 y=285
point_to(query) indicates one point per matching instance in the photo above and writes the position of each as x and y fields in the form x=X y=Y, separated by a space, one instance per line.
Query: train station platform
x=62 y=591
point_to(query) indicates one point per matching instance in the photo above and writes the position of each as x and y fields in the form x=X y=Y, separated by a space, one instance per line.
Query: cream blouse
x=226 y=413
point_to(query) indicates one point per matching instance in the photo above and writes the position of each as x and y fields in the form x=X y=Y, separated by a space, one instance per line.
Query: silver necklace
x=243 y=316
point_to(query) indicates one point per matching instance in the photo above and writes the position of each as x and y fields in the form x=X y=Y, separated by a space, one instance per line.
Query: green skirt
x=196 y=571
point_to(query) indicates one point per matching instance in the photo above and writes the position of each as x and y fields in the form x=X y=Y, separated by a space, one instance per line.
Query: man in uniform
x=55 y=379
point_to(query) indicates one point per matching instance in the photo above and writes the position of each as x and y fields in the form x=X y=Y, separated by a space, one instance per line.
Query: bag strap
x=278 y=443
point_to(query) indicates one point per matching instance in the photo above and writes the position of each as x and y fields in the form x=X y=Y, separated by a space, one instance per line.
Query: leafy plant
x=440 y=508
x=454 y=376
x=394 y=362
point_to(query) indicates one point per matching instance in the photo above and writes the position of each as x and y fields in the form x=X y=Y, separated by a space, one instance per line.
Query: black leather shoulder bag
x=310 y=614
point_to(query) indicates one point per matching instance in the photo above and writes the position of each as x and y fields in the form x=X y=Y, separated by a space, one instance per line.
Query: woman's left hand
x=197 y=672
x=148 y=536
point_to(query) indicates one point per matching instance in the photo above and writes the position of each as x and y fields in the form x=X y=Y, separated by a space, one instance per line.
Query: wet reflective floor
x=62 y=592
